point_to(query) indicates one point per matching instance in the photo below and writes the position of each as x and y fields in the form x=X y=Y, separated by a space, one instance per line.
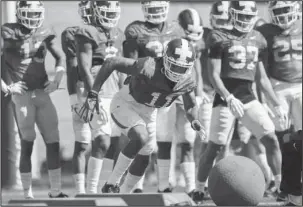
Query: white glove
x=51 y=86
x=281 y=113
x=199 y=100
x=197 y=126
x=17 y=88
x=235 y=105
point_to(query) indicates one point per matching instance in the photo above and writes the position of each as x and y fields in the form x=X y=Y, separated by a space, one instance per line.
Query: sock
x=129 y=183
x=163 y=173
x=200 y=186
x=188 y=169
x=297 y=200
x=26 y=179
x=278 y=179
x=55 y=181
x=79 y=180
x=94 y=167
x=140 y=183
x=121 y=166
x=106 y=170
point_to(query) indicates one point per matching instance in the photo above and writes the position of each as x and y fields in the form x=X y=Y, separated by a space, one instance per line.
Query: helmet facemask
x=243 y=21
x=85 y=12
x=107 y=17
x=285 y=15
x=31 y=17
x=220 y=21
x=155 y=12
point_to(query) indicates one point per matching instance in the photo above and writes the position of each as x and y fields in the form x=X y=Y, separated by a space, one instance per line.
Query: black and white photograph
x=151 y=103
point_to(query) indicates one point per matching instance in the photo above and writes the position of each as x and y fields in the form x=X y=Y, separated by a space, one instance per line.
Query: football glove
x=197 y=126
x=235 y=105
x=51 y=86
x=90 y=107
x=17 y=88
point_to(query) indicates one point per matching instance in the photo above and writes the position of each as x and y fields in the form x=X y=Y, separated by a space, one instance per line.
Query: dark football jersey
x=105 y=44
x=151 y=87
x=150 y=41
x=68 y=41
x=285 y=51
x=24 y=54
x=239 y=57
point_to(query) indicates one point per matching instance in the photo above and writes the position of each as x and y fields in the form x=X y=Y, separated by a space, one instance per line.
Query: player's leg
x=166 y=120
x=222 y=125
x=127 y=115
x=257 y=120
x=25 y=117
x=100 y=143
x=185 y=139
x=50 y=133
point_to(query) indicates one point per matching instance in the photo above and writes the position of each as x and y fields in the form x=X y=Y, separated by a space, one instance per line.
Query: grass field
x=61 y=14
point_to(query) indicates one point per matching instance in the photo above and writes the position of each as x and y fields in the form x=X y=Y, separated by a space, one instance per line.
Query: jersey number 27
x=285 y=50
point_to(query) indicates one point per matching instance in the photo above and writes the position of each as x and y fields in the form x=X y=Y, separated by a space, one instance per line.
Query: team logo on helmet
x=219 y=18
x=179 y=58
x=30 y=13
x=106 y=13
x=243 y=15
x=191 y=22
x=283 y=13
x=155 y=12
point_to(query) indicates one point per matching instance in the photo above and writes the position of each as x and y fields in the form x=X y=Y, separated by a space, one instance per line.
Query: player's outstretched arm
x=84 y=58
x=191 y=109
x=199 y=79
x=59 y=65
x=123 y=65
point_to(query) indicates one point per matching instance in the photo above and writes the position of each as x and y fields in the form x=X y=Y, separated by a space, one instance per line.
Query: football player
x=284 y=39
x=25 y=44
x=154 y=83
x=95 y=43
x=149 y=38
x=235 y=62
x=68 y=43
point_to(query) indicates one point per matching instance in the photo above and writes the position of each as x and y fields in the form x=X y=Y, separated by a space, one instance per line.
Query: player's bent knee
x=80 y=148
x=212 y=150
x=139 y=134
x=148 y=148
x=101 y=142
x=270 y=140
x=52 y=136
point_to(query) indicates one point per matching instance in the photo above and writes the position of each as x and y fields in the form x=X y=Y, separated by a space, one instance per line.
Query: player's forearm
x=199 y=88
x=103 y=74
x=267 y=89
x=71 y=75
x=219 y=86
x=192 y=113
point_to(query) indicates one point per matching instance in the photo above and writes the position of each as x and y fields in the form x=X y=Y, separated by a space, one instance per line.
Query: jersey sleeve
x=214 y=44
x=48 y=33
x=68 y=43
x=130 y=43
x=89 y=33
x=131 y=32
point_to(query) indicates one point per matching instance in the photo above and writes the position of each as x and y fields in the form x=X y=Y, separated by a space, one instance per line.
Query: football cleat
x=155 y=12
x=219 y=18
x=166 y=190
x=243 y=15
x=106 y=13
x=60 y=195
x=179 y=58
x=138 y=190
x=85 y=11
x=191 y=22
x=109 y=188
x=30 y=13
x=197 y=196
x=283 y=13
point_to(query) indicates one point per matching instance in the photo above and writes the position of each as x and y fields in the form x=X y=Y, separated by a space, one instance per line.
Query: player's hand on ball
x=197 y=126
x=90 y=107
x=17 y=88
x=235 y=105
x=51 y=86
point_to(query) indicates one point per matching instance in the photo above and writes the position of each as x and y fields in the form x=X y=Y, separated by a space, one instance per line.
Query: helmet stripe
x=195 y=17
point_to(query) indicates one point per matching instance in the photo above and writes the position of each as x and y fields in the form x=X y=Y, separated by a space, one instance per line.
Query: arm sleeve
x=214 y=44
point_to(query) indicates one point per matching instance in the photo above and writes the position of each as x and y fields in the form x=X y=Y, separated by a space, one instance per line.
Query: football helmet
x=178 y=59
x=283 y=13
x=299 y=10
x=30 y=13
x=85 y=11
x=155 y=12
x=243 y=15
x=191 y=22
x=219 y=18
x=106 y=13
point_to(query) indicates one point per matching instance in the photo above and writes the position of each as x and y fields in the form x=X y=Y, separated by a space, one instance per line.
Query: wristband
x=73 y=99
x=59 y=69
x=229 y=98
